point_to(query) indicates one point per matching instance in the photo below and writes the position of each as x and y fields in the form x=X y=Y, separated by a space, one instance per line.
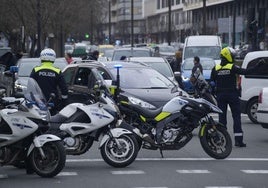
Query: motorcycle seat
x=58 y=118
x=147 y=113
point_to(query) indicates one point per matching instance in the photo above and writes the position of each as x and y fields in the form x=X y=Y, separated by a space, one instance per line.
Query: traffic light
x=86 y=35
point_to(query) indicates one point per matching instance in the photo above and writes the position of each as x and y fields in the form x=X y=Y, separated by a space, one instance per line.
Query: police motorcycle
x=24 y=141
x=171 y=126
x=202 y=88
x=80 y=124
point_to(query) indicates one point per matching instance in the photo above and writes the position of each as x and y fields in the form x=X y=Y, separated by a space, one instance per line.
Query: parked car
x=158 y=63
x=25 y=67
x=262 y=110
x=165 y=51
x=131 y=52
x=250 y=85
x=145 y=85
x=103 y=48
x=186 y=71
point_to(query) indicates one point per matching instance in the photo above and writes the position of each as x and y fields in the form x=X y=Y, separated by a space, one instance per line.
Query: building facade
x=236 y=21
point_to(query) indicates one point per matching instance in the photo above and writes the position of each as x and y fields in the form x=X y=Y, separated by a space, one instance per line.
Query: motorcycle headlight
x=19 y=87
x=140 y=102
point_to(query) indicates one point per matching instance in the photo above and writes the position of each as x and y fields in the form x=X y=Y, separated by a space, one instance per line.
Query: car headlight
x=140 y=102
x=19 y=87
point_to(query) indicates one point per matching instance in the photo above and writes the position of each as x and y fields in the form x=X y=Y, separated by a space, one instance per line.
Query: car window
x=105 y=75
x=259 y=73
x=144 y=78
x=68 y=75
x=82 y=76
x=130 y=53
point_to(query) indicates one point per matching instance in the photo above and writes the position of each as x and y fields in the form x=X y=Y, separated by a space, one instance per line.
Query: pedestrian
x=69 y=58
x=94 y=56
x=197 y=65
x=50 y=78
x=176 y=67
x=225 y=77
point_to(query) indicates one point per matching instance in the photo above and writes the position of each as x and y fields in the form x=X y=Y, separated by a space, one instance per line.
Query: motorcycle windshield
x=34 y=95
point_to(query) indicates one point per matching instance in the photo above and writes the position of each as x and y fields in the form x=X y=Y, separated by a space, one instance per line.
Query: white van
x=202 y=46
x=251 y=85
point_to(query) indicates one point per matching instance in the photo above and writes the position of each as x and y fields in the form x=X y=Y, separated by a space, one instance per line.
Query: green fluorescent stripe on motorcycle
x=202 y=130
x=143 y=118
x=162 y=116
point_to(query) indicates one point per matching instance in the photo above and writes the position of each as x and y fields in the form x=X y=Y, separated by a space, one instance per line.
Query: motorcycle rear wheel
x=120 y=156
x=54 y=161
x=218 y=147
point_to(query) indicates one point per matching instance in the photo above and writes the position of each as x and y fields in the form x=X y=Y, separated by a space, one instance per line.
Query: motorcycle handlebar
x=6 y=103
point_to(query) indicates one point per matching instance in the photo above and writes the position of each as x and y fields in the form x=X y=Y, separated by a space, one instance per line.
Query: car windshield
x=25 y=68
x=161 y=67
x=130 y=53
x=206 y=64
x=144 y=79
x=202 y=51
x=169 y=49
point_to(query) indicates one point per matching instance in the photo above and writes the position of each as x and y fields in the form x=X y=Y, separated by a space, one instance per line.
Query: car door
x=80 y=87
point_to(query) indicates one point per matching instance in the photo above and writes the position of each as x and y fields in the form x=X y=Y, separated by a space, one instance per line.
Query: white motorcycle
x=23 y=123
x=80 y=124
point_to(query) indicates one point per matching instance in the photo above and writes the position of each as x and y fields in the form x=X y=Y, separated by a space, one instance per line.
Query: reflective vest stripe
x=47 y=65
x=228 y=66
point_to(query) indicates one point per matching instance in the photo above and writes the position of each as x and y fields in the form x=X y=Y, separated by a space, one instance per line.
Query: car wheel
x=252 y=110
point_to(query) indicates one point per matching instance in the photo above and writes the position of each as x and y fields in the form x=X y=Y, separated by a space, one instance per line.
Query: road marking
x=255 y=171
x=3 y=176
x=193 y=171
x=150 y=187
x=223 y=187
x=122 y=172
x=67 y=174
x=173 y=159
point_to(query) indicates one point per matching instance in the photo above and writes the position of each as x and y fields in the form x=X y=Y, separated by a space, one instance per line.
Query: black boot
x=239 y=141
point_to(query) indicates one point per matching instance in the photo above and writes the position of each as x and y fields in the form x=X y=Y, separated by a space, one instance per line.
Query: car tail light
x=260 y=97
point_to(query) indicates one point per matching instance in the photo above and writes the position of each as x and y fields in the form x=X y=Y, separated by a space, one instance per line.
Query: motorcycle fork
x=115 y=140
x=214 y=131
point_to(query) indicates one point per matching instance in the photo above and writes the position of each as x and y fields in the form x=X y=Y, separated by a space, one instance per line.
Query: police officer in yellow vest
x=50 y=78
x=224 y=76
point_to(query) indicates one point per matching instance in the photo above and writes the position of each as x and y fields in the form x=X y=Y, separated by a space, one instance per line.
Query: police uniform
x=50 y=78
x=224 y=76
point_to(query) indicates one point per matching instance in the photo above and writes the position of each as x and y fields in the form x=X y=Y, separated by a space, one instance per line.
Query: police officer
x=224 y=76
x=50 y=78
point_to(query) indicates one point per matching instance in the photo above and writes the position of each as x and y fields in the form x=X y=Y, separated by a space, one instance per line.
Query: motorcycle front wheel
x=216 y=143
x=122 y=154
x=53 y=162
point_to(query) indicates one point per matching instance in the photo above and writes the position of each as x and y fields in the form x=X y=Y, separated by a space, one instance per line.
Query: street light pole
x=204 y=17
x=234 y=19
x=169 y=22
x=109 y=21
x=38 y=14
x=132 y=24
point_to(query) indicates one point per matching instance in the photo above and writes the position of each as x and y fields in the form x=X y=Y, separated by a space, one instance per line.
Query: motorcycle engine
x=169 y=135
x=69 y=141
x=5 y=155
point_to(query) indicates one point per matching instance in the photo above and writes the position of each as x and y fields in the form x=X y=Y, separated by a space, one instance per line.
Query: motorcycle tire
x=52 y=164
x=220 y=148
x=120 y=157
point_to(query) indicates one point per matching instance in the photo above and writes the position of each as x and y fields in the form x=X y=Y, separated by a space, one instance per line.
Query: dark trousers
x=231 y=98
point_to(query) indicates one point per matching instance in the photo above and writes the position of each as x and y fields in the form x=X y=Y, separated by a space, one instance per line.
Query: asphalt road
x=189 y=167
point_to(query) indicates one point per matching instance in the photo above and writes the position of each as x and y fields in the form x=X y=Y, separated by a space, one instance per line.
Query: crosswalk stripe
x=223 y=187
x=193 y=171
x=121 y=172
x=67 y=174
x=255 y=171
x=3 y=176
